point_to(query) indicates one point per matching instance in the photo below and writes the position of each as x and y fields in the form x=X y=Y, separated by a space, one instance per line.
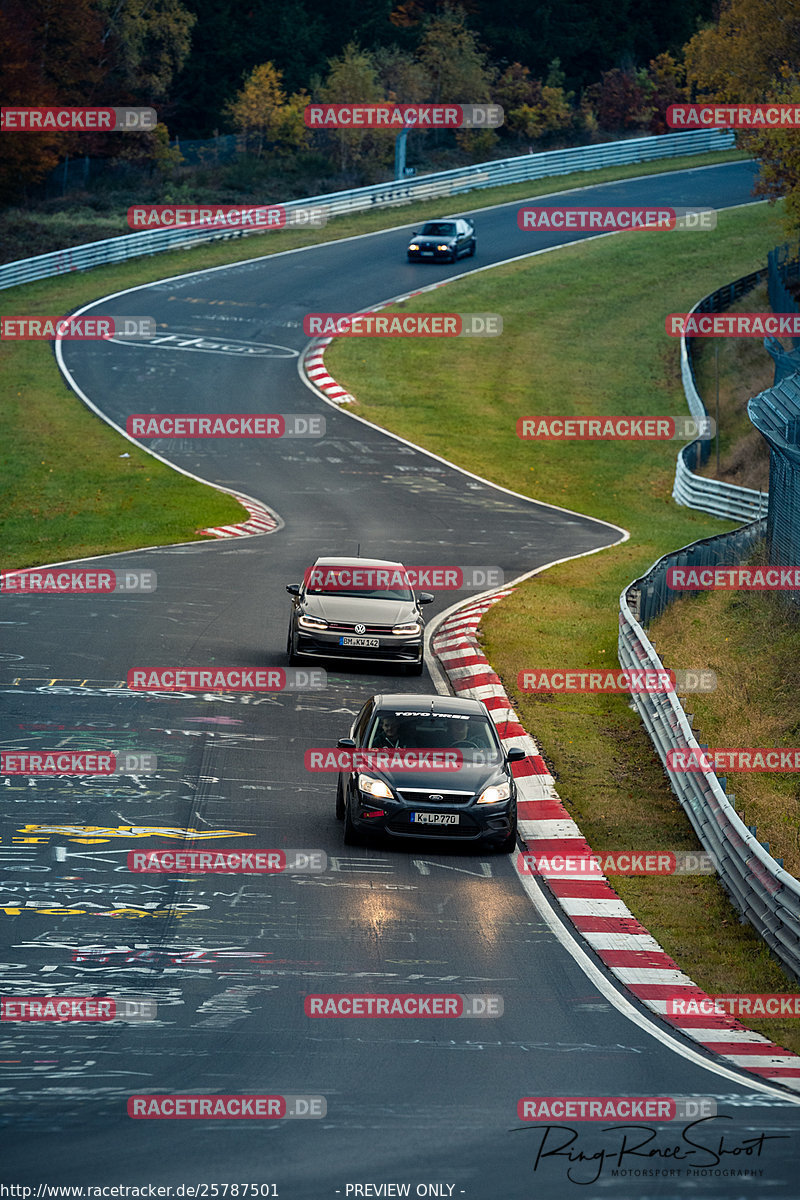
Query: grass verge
x=584 y=334
x=67 y=491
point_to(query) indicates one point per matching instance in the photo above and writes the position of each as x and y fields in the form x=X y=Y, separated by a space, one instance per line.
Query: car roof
x=358 y=562
x=442 y=705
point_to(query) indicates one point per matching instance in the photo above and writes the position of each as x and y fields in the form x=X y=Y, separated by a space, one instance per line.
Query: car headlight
x=307 y=622
x=444 y=246
x=374 y=787
x=414 y=246
x=410 y=628
x=495 y=793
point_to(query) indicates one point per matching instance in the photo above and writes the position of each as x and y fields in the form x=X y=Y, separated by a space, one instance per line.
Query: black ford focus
x=428 y=767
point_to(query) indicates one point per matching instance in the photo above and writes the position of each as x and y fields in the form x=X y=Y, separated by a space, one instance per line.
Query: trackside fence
x=713 y=496
x=763 y=892
x=783 y=266
x=383 y=195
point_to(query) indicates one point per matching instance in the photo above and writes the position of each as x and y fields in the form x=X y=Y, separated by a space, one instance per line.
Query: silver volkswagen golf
x=360 y=609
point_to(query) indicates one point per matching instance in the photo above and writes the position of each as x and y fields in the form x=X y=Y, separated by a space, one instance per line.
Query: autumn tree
x=458 y=69
x=50 y=52
x=146 y=42
x=753 y=54
x=620 y=101
x=534 y=109
x=353 y=79
x=263 y=115
x=664 y=86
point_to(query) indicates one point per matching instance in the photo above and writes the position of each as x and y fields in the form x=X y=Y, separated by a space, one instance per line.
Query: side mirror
x=515 y=754
x=414 y=234
x=293 y=589
x=426 y=598
x=347 y=743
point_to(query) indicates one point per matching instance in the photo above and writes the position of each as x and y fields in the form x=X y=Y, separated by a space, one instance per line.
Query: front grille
x=369 y=630
x=402 y=826
x=423 y=796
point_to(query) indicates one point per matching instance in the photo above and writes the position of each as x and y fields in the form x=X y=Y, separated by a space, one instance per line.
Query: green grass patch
x=66 y=490
x=584 y=334
x=752 y=641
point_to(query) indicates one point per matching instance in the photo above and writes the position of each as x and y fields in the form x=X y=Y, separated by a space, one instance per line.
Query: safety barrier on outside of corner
x=382 y=195
x=763 y=892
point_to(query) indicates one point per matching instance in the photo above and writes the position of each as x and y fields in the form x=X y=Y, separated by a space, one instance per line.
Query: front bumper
x=389 y=650
x=476 y=823
x=431 y=256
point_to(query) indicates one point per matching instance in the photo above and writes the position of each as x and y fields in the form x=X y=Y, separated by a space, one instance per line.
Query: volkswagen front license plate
x=369 y=643
x=429 y=818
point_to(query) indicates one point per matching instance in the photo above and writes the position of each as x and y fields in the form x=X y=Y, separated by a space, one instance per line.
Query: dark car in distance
x=444 y=240
x=360 y=609
x=475 y=803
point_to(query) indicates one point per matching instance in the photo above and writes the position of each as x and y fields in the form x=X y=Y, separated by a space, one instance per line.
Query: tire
x=339 y=800
x=291 y=653
x=352 y=836
x=472 y=249
x=415 y=668
x=510 y=843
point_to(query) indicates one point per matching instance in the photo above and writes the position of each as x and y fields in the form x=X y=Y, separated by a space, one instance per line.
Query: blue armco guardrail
x=713 y=496
x=758 y=886
x=382 y=195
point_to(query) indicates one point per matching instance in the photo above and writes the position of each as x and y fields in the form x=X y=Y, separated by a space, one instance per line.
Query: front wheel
x=291 y=653
x=416 y=668
x=352 y=836
x=472 y=249
x=339 y=800
x=510 y=843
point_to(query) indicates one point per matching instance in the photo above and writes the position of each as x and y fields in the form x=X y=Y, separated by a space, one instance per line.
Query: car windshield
x=359 y=580
x=438 y=228
x=434 y=731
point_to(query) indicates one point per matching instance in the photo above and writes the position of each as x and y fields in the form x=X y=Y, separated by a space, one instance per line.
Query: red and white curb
x=624 y=946
x=313 y=364
x=261 y=520
x=316 y=371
